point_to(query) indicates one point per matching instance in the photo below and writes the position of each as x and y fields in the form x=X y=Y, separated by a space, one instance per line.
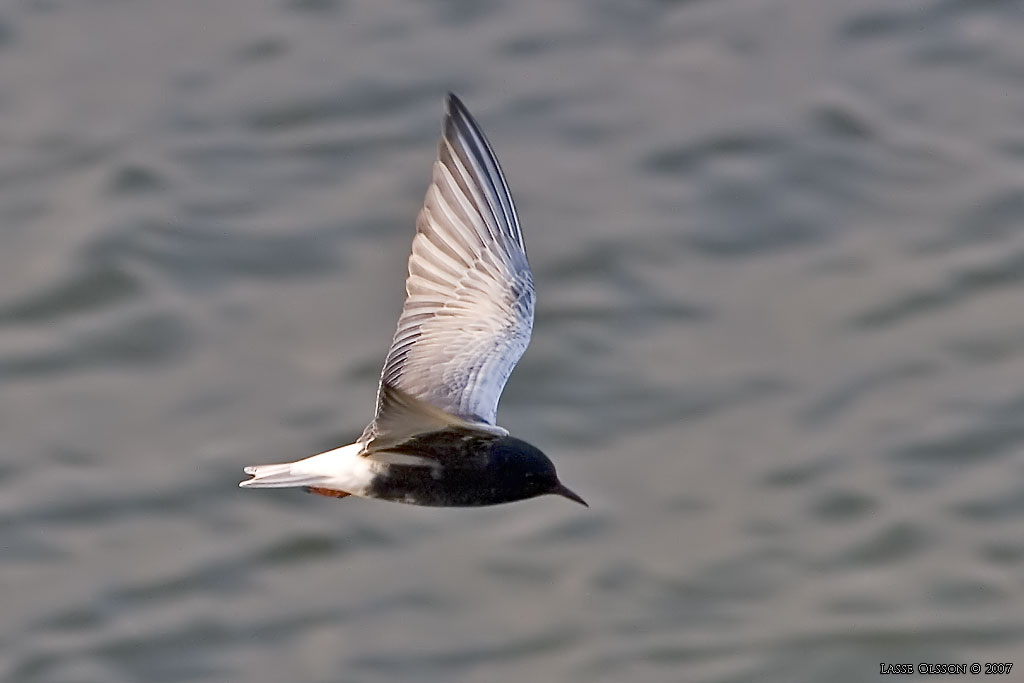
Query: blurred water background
x=779 y=342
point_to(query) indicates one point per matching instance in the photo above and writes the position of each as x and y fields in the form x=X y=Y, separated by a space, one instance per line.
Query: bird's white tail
x=338 y=469
x=278 y=476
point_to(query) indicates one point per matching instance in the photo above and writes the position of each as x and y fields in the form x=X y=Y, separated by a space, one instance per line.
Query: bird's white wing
x=469 y=295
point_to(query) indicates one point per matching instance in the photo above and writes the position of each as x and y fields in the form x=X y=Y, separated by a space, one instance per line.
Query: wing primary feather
x=461 y=118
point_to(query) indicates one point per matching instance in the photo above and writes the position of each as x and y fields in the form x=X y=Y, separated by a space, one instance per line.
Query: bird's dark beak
x=565 y=492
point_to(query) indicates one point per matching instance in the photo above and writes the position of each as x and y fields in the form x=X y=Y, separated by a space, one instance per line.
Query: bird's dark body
x=470 y=469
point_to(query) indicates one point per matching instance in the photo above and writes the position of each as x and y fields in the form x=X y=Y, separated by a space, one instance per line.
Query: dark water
x=779 y=344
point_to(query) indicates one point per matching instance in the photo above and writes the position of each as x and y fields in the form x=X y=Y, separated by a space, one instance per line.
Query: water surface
x=778 y=345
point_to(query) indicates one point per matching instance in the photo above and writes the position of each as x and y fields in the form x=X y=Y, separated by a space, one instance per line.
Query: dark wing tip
x=463 y=131
x=455 y=108
x=456 y=111
x=453 y=103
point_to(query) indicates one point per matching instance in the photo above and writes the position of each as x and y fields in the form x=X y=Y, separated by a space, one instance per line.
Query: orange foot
x=330 y=493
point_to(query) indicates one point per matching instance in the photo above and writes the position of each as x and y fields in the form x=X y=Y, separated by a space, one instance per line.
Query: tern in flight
x=466 y=321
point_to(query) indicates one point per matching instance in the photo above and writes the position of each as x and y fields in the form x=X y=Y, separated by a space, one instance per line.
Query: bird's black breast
x=466 y=468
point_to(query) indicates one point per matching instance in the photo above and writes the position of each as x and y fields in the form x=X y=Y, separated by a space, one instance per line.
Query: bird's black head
x=518 y=471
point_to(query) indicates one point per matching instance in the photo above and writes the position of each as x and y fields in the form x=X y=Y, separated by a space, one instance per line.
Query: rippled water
x=779 y=344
